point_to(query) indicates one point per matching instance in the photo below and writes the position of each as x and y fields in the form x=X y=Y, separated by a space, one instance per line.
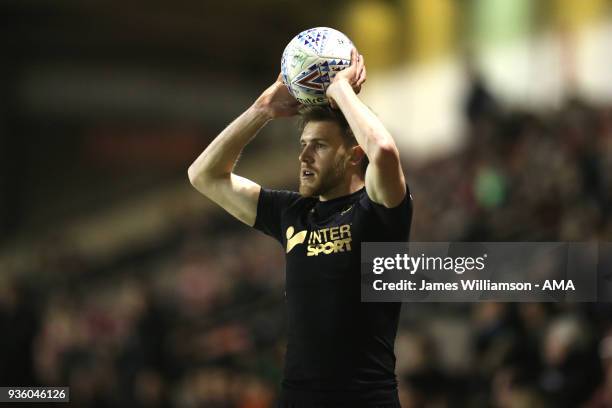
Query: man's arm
x=384 y=180
x=212 y=172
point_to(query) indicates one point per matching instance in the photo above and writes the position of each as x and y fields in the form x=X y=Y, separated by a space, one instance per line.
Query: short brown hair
x=319 y=113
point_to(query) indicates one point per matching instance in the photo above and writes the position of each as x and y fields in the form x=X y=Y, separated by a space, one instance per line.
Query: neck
x=352 y=184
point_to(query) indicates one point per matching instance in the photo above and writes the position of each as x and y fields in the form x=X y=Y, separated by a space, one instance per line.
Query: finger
x=363 y=72
x=361 y=64
x=353 y=73
x=354 y=56
x=362 y=76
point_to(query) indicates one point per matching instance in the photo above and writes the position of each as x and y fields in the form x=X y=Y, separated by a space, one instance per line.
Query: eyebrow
x=314 y=139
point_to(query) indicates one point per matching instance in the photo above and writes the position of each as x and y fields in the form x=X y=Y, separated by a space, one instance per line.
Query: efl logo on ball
x=311 y=60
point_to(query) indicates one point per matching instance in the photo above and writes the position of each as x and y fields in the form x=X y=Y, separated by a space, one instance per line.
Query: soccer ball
x=311 y=59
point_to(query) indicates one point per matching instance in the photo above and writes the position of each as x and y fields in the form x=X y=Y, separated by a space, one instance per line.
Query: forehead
x=325 y=130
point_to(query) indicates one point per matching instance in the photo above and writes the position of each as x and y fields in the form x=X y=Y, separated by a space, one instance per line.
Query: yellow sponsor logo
x=329 y=240
x=293 y=240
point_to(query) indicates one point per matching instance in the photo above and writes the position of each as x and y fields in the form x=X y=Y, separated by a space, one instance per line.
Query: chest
x=320 y=251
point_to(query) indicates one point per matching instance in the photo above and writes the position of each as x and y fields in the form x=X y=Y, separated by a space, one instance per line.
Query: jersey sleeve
x=394 y=223
x=271 y=207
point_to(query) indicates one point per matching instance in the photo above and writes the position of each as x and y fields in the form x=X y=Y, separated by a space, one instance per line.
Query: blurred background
x=119 y=280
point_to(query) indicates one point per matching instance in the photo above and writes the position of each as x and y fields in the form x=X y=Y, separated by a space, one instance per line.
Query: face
x=323 y=158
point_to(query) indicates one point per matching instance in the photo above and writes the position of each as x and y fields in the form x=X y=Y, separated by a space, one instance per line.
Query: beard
x=324 y=181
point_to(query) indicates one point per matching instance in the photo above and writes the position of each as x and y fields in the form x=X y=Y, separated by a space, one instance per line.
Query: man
x=340 y=351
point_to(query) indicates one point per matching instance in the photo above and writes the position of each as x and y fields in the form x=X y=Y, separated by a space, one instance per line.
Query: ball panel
x=294 y=59
x=314 y=38
x=311 y=60
x=337 y=45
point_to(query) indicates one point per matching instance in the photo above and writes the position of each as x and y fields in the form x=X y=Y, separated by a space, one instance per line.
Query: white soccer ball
x=311 y=59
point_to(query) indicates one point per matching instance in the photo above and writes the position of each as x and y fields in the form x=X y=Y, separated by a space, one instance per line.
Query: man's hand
x=354 y=75
x=277 y=102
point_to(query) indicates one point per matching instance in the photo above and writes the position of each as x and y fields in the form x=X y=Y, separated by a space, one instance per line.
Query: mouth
x=307 y=174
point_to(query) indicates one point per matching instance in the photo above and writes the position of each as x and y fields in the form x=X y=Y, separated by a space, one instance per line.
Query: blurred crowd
x=520 y=177
x=200 y=320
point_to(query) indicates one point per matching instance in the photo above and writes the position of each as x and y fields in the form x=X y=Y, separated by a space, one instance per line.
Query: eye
x=319 y=145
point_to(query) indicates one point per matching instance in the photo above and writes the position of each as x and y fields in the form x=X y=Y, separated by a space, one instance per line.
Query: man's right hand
x=277 y=102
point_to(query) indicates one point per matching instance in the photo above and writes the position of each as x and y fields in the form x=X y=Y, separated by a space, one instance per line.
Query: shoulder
x=284 y=196
x=274 y=207
x=366 y=202
x=278 y=195
x=282 y=199
x=387 y=224
x=400 y=215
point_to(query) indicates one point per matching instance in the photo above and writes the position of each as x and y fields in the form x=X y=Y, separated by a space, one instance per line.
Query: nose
x=305 y=155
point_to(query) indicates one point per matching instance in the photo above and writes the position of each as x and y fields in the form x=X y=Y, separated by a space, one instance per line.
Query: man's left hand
x=354 y=75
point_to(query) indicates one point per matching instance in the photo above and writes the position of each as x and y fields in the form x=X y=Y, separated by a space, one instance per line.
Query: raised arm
x=212 y=172
x=384 y=179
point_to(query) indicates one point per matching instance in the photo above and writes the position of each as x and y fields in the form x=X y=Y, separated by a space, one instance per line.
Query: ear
x=356 y=156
